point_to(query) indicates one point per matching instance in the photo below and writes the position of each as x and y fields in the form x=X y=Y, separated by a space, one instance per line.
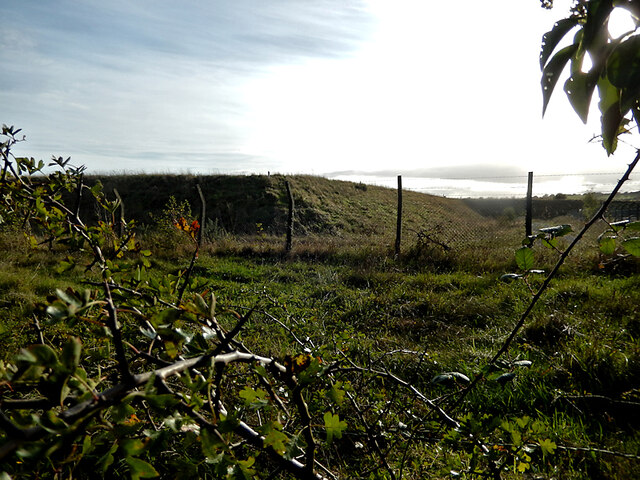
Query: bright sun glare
x=620 y=22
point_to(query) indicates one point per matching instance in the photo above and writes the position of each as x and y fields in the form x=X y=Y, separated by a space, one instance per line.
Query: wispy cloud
x=109 y=80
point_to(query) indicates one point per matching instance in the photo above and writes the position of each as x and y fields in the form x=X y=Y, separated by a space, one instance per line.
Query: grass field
x=429 y=311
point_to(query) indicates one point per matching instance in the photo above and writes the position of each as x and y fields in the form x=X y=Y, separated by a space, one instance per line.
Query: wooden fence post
x=121 y=222
x=529 y=214
x=399 y=217
x=79 y=195
x=203 y=213
x=289 y=218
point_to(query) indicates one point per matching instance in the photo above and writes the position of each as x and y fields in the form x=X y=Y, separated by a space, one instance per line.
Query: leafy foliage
x=614 y=70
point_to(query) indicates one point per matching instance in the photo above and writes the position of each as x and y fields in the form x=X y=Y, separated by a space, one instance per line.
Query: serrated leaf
x=254 y=399
x=632 y=245
x=336 y=394
x=333 y=426
x=276 y=439
x=525 y=258
x=547 y=447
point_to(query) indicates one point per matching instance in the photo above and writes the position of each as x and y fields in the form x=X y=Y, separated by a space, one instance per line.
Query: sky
x=446 y=94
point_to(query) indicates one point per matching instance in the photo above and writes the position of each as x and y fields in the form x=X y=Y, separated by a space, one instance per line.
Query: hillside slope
x=244 y=204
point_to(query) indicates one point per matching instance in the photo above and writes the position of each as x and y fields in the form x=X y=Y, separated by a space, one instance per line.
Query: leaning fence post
x=289 y=217
x=399 y=217
x=203 y=213
x=529 y=214
x=121 y=223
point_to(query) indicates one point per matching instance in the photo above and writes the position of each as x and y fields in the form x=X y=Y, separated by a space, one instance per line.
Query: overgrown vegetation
x=234 y=360
x=322 y=362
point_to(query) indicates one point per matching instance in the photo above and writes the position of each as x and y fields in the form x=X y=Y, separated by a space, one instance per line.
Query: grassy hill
x=248 y=204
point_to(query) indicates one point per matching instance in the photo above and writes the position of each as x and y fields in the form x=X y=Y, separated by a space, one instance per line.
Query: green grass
x=432 y=310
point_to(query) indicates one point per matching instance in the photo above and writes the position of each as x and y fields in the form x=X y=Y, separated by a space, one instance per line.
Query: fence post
x=79 y=195
x=529 y=214
x=289 y=217
x=121 y=223
x=203 y=213
x=399 y=217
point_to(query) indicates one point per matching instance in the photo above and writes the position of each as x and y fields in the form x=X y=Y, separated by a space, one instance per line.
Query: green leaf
x=334 y=426
x=632 y=227
x=162 y=401
x=595 y=28
x=107 y=459
x=51 y=423
x=274 y=438
x=611 y=118
x=623 y=65
x=254 y=399
x=551 y=39
x=632 y=245
x=336 y=394
x=165 y=317
x=579 y=89
x=607 y=245
x=44 y=354
x=211 y=444
x=547 y=447
x=201 y=305
x=70 y=356
x=133 y=447
x=552 y=71
x=65 y=265
x=525 y=258
x=140 y=468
